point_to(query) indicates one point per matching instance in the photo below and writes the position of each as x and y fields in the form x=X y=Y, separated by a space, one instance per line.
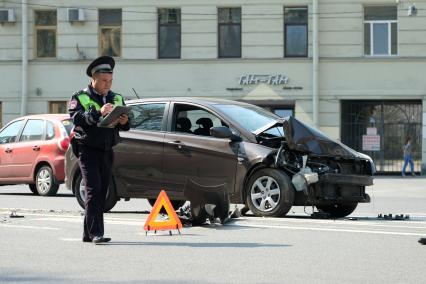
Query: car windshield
x=249 y=117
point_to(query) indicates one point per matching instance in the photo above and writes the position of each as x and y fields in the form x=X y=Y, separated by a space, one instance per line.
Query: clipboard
x=111 y=119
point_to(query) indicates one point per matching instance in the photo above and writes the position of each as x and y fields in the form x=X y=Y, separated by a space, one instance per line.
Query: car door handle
x=8 y=150
x=36 y=148
x=178 y=144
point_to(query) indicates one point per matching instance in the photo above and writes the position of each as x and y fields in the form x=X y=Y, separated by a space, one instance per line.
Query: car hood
x=303 y=138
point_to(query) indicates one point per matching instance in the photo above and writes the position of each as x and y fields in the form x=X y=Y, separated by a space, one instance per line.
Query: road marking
x=106 y=220
x=70 y=239
x=327 y=229
x=27 y=227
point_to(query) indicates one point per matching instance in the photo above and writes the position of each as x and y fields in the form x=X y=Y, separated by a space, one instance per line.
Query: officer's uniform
x=95 y=146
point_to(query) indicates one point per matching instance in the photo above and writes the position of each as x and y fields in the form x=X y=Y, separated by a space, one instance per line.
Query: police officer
x=87 y=107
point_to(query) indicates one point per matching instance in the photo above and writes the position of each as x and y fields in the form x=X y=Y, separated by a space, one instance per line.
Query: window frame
x=371 y=24
x=169 y=25
x=230 y=24
x=298 y=24
x=101 y=27
x=56 y=105
x=37 y=28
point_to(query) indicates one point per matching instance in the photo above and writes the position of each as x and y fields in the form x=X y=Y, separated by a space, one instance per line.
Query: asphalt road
x=44 y=246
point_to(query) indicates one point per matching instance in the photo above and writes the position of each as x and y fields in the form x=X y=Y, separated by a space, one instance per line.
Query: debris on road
x=14 y=215
x=395 y=217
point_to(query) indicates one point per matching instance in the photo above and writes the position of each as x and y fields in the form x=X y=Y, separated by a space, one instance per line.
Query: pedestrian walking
x=408 y=159
x=93 y=143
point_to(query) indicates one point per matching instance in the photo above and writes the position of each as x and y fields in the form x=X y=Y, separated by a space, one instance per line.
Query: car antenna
x=135 y=93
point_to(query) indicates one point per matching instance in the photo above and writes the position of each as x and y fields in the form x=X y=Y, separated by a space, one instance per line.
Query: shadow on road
x=32 y=194
x=196 y=245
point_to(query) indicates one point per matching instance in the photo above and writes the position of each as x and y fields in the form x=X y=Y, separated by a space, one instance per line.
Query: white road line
x=70 y=239
x=80 y=220
x=329 y=230
x=27 y=227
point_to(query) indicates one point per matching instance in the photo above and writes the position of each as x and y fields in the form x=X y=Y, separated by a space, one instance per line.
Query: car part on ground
x=207 y=202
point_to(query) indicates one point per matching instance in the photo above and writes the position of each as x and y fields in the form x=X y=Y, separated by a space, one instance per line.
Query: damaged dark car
x=196 y=147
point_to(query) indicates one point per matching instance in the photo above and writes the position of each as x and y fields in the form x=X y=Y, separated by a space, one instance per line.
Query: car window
x=194 y=120
x=33 y=130
x=9 y=133
x=50 y=130
x=249 y=117
x=147 y=116
x=67 y=123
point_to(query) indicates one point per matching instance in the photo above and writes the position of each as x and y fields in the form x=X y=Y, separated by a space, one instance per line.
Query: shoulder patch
x=72 y=104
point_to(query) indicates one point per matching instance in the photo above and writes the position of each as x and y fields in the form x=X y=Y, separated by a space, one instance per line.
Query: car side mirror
x=223 y=132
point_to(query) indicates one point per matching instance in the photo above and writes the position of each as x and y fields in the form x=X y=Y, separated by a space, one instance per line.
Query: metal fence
x=393 y=121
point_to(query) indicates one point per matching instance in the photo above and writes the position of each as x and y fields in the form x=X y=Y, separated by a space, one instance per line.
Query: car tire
x=175 y=203
x=269 y=193
x=33 y=188
x=338 y=210
x=80 y=194
x=45 y=182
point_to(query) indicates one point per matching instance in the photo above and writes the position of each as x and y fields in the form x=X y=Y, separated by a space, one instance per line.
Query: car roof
x=200 y=100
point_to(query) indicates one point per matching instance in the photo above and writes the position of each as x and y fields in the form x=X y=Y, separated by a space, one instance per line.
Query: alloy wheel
x=44 y=181
x=265 y=193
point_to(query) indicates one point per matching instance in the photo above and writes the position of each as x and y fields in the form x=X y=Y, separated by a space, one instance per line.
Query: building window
x=169 y=33
x=58 y=107
x=295 y=31
x=45 y=33
x=380 y=30
x=110 y=32
x=229 y=32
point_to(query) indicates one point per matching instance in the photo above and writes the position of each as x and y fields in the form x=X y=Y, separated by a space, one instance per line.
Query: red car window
x=33 y=130
x=9 y=133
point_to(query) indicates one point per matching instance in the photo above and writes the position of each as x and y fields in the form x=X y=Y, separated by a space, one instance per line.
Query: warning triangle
x=172 y=224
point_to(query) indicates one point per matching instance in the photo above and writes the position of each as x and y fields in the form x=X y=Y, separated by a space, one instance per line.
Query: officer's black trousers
x=95 y=168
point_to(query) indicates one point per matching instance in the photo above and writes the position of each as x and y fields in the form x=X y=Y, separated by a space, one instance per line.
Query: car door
x=8 y=136
x=203 y=159
x=138 y=157
x=27 y=149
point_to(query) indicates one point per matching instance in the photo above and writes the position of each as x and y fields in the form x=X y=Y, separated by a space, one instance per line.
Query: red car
x=32 y=152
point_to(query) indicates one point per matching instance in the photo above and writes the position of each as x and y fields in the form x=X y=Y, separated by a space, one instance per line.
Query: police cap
x=103 y=64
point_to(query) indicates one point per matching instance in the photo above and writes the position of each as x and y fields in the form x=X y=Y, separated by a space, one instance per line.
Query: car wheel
x=46 y=184
x=80 y=194
x=175 y=203
x=338 y=210
x=269 y=193
x=33 y=188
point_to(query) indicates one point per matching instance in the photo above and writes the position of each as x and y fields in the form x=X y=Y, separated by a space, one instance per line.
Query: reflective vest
x=86 y=101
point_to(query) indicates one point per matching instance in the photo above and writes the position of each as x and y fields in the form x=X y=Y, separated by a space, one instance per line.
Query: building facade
x=353 y=68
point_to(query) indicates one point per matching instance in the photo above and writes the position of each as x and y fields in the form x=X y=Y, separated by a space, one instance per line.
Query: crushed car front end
x=324 y=173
